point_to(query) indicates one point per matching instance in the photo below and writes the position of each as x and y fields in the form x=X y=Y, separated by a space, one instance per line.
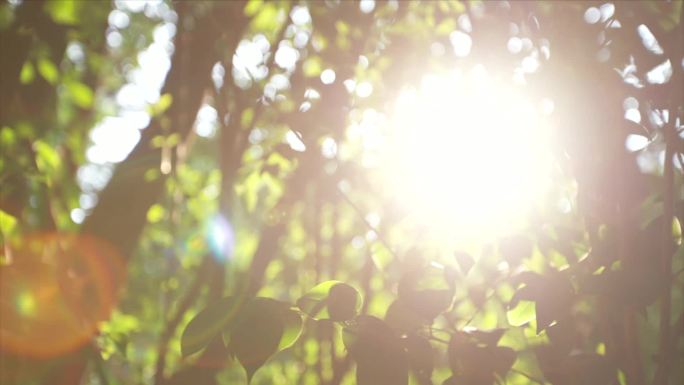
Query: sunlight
x=469 y=154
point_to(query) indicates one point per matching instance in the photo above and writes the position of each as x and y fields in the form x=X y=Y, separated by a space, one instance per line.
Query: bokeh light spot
x=26 y=304
x=592 y=15
x=328 y=76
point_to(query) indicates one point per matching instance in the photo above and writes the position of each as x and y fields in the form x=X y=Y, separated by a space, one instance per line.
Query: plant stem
x=371 y=227
x=529 y=376
x=187 y=301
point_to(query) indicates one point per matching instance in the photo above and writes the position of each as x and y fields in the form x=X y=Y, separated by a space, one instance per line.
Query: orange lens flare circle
x=56 y=291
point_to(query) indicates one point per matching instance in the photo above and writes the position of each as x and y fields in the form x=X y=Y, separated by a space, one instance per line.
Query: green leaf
x=522 y=313
x=27 y=74
x=63 y=11
x=252 y=7
x=48 y=70
x=156 y=213
x=7 y=222
x=81 y=94
x=332 y=300
x=256 y=337
x=47 y=158
x=264 y=327
x=7 y=136
x=267 y=19
x=292 y=329
x=161 y=106
x=313 y=303
x=207 y=324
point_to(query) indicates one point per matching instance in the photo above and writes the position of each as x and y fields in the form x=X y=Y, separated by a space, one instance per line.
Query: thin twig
x=680 y=158
x=358 y=211
x=666 y=263
x=671 y=138
x=437 y=339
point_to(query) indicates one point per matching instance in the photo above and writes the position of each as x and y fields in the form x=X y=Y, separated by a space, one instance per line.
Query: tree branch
x=671 y=139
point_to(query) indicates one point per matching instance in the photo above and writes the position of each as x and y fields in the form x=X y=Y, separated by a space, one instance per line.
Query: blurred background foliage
x=190 y=193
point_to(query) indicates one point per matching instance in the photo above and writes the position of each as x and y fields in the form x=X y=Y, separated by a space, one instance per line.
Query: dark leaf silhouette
x=515 y=248
x=402 y=318
x=465 y=261
x=575 y=368
x=425 y=293
x=477 y=363
x=428 y=303
x=343 y=302
x=333 y=300
x=378 y=352
x=421 y=356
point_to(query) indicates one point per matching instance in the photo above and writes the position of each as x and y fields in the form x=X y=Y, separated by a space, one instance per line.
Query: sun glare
x=468 y=153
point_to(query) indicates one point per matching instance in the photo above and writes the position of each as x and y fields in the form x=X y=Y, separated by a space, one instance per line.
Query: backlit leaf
x=521 y=314
x=64 y=11
x=48 y=70
x=263 y=327
x=208 y=324
x=27 y=74
x=47 y=158
x=81 y=94
x=7 y=222
x=333 y=300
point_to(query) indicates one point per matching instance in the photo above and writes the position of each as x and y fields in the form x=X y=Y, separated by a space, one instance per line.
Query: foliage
x=192 y=192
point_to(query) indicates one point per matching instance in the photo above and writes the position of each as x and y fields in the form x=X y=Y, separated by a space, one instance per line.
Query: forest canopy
x=338 y=192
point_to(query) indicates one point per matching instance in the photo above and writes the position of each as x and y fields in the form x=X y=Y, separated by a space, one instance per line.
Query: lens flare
x=468 y=153
x=55 y=292
x=220 y=238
